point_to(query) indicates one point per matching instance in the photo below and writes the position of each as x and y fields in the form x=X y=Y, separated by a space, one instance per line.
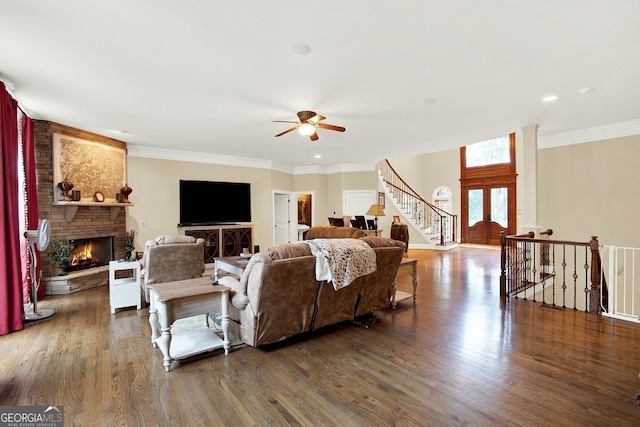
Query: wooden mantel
x=72 y=207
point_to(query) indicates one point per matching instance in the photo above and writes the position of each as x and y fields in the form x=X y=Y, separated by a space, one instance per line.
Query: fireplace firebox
x=90 y=253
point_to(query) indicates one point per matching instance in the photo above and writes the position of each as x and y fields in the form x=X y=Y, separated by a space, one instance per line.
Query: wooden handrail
x=415 y=193
x=529 y=235
x=440 y=211
x=561 y=242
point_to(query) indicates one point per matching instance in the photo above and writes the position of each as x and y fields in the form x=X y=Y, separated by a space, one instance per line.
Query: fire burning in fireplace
x=89 y=253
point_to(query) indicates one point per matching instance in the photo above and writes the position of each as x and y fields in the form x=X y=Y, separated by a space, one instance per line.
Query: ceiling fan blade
x=314 y=136
x=287 y=131
x=331 y=127
x=284 y=121
x=315 y=119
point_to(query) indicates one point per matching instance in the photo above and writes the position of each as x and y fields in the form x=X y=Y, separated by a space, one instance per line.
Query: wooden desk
x=186 y=298
x=408 y=266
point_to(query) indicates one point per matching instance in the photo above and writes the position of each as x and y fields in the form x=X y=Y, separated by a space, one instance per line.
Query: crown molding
x=353 y=167
x=595 y=133
x=135 y=150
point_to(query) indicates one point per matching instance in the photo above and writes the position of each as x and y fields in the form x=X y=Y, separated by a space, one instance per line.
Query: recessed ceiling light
x=550 y=98
x=317 y=156
x=300 y=49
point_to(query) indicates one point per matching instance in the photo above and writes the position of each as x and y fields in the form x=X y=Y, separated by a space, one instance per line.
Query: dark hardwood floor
x=459 y=356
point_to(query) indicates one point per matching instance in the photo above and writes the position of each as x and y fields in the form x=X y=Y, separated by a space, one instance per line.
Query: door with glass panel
x=487 y=214
x=488 y=190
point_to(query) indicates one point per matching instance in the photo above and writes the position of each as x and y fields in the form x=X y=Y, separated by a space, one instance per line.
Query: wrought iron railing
x=558 y=273
x=436 y=223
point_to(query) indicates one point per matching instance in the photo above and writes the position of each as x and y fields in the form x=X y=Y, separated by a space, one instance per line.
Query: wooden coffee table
x=186 y=298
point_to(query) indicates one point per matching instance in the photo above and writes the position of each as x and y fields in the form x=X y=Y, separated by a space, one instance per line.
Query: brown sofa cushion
x=333 y=232
x=287 y=250
x=382 y=242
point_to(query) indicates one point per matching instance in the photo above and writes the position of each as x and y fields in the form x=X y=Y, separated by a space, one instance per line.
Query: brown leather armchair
x=170 y=258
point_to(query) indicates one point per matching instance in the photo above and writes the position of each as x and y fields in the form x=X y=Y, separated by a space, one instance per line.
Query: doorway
x=488 y=193
x=292 y=215
x=487 y=214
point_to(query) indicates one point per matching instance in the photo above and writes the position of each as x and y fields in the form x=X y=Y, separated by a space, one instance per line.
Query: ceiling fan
x=308 y=123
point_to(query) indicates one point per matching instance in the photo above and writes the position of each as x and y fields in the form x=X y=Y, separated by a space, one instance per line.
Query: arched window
x=441 y=198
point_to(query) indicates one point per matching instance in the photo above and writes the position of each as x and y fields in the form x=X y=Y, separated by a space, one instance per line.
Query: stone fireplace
x=101 y=224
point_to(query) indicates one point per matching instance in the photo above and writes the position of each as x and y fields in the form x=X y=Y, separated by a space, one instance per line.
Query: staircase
x=437 y=228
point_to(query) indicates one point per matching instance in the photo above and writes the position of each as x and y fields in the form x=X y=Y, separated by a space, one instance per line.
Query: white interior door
x=358 y=202
x=281 y=218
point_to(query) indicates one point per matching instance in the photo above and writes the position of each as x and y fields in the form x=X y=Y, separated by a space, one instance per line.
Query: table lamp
x=376 y=211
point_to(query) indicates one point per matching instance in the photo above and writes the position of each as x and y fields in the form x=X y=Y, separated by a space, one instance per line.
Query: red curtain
x=29 y=153
x=11 y=297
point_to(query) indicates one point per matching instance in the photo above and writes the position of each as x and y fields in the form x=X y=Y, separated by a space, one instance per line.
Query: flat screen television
x=213 y=202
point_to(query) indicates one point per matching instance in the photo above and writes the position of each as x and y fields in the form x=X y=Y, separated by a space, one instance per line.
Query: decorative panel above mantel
x=90 y=166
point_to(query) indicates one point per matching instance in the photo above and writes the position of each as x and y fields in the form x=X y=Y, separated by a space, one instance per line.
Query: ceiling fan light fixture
x=306 y=129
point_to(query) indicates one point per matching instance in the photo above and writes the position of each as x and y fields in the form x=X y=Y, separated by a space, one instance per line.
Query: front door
x=487 y=214
x=488 y=190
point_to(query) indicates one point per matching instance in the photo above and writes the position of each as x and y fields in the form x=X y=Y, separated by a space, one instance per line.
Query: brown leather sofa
x=278 y=295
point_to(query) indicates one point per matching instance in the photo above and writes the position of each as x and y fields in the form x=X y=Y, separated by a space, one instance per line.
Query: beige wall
x=591 y=189
x=411 y=170
x=442 y=169
x=156 y=193
x=583 y=190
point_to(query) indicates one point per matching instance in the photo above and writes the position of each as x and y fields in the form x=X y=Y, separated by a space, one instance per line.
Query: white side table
x=185 y=298
x=124 y=292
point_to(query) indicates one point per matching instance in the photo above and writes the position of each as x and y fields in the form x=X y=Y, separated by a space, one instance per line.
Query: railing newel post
x=594 y=292
x=503 y=264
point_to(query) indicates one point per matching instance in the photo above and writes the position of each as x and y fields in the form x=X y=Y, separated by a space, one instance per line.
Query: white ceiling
x=404 y=78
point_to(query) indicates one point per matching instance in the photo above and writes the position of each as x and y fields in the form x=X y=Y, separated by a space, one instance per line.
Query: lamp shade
x=375 y=210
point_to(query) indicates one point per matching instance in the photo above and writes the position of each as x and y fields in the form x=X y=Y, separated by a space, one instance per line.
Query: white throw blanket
x=341 y=261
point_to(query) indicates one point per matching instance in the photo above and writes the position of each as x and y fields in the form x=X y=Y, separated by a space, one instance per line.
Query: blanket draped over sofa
x=341 y=261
